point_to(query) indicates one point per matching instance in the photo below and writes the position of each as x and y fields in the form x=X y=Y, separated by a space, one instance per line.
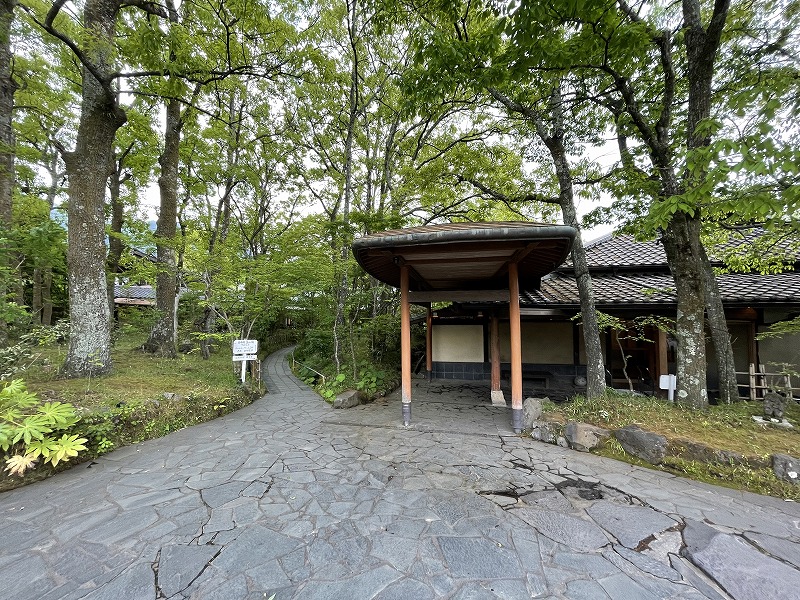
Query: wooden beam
x=516 y=348
x=516 y=258
x=498 y=399
x=429 y=343
x=405 y=344
x=458 y=296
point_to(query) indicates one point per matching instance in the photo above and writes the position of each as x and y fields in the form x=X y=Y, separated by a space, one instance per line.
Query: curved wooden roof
x=465 y=256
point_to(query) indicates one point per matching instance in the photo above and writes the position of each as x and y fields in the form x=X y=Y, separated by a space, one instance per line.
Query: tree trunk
x=554 y=140
x=7 y=89
x=342 y=288
x=720 y=336
x=47 y=301
x=702 y=47
x=162 y=340
x=36 y=299
x=115 y=245
x=684 y=255
x=89 y=351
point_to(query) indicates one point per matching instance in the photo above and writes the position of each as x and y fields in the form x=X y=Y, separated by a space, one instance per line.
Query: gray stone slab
x=629 y=524
x=365 y=585
x=778 y=547
x=741 y=570
x=256 y=545
x=645 y=563
x=585 y=590
x=478 y=558
x=591 y=565
x=179 y=565
x=134 y=583
x=573 y=532
x=694 y=577
x=407 y=589
x=622 y=587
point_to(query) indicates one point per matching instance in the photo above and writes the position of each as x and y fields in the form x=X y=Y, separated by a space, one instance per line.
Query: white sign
x=245 y=347
x=669 y=383
x=245 y=357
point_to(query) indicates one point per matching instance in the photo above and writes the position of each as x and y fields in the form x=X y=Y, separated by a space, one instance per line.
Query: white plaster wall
x=458 y=343
x=542 y=343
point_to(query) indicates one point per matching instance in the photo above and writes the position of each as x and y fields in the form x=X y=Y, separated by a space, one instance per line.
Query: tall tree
x=88 y=168
x=7 y=88
x=490 y=66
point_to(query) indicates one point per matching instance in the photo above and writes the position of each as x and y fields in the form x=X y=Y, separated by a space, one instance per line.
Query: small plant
x=371 y=380
x=330 y=389
x=29 y=429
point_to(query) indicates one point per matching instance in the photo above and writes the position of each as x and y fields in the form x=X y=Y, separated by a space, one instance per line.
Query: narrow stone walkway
x=292 y=498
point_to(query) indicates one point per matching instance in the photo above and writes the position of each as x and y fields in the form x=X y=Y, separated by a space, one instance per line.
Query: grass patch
x=144 y=397
x=723 y=427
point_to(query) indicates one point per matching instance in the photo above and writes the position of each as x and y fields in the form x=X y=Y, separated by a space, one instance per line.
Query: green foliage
x=780 y=329
x=29 y=429
x=371 y=380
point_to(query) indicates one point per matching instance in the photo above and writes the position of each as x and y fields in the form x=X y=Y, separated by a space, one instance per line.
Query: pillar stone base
x=498 y=399
x=406 y=413
x=516 y=420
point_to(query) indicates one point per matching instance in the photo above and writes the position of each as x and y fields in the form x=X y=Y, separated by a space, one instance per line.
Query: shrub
x=29 y=429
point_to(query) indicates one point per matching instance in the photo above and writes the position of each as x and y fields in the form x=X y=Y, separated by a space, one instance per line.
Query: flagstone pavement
x=292 y=498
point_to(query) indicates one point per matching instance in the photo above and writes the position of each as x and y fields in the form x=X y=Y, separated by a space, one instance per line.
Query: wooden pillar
x=429 y=343
x=494 y=348
x=405 y=344
x=516 y=348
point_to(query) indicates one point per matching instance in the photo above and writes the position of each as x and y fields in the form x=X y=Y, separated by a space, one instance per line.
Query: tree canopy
x=275 y=132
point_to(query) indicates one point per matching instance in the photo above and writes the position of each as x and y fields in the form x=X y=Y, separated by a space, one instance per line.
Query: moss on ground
x=144 y=397
x=724 y=427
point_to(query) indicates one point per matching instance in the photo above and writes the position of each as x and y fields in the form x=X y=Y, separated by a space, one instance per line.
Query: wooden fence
x=759 y=381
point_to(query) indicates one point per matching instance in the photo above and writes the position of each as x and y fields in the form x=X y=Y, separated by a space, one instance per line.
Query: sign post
x=244 y=351
x=669 y=383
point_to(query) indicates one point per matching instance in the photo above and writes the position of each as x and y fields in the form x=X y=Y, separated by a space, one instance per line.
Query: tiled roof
x=623 y=250
x=654 y=289
x=135 y=292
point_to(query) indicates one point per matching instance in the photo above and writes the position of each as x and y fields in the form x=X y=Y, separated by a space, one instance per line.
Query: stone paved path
x=291 y=498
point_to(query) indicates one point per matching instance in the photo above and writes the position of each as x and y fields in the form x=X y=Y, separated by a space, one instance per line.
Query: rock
x=531 y=411
x=774 y=405
x=348 y=399
x=646 y=445
x=585 y=437
x=786 y=468
x=546 y=431
x=691 y=450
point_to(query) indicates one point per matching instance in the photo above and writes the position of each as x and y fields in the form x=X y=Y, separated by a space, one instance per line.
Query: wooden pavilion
x=465 y=262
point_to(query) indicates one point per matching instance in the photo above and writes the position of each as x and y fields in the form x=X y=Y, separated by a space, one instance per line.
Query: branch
x=151 y=8
x=508 y=200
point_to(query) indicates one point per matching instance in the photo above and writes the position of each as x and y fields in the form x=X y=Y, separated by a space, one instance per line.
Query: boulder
x=349 y=399
x=531 y=411
x=546 y=431
x=774 y=405
x=646 y=445
x=786 y=468
x=585 y=437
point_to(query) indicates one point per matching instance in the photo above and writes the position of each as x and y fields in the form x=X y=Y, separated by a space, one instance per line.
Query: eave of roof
x=465 y=256
x=657 y=289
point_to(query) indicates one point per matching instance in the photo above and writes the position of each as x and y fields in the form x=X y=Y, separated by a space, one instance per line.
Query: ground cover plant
x=71 y=420
x=726 y=427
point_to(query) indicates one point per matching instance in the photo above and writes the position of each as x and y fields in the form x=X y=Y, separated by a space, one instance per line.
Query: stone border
x=646 y=445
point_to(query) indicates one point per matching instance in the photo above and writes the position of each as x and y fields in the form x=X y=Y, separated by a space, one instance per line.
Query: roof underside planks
x=465 y=256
